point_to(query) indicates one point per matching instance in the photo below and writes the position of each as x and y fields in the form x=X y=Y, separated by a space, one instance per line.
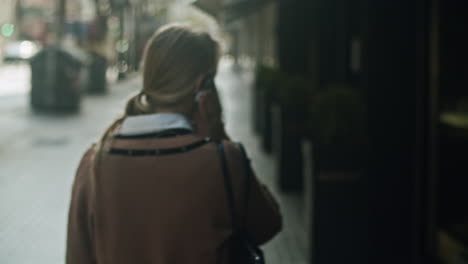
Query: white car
x=20 y=50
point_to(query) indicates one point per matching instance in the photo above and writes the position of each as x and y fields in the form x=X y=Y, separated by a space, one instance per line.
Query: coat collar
x=153 y=123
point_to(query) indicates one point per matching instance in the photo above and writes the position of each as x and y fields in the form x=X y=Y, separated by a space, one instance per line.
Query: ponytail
x=139 y=104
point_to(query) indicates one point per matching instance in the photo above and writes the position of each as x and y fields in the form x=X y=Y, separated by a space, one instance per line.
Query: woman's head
x=176 y=57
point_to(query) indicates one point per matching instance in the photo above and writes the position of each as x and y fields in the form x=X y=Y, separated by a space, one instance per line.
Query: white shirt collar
x=153 y=123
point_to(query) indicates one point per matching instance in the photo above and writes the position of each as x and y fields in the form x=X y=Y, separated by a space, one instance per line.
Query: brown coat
x=162 y=209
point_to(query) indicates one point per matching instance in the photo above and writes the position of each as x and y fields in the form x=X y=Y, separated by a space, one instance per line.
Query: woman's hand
x=207 y=116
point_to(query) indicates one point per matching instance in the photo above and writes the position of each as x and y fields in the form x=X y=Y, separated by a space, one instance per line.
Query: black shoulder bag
x=242 y=249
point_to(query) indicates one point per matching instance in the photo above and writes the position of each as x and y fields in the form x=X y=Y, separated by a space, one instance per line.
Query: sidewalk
x=38 y=161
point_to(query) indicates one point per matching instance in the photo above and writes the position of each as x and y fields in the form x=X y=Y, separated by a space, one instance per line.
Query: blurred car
x=21 y=50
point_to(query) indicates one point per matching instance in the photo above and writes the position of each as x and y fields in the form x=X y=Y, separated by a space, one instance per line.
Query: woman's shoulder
x=230 y=146
x=233 y=151
x=85 y=164
x=88 y=154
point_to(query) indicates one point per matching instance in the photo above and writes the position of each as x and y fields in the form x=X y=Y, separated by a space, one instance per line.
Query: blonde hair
x=174 y=58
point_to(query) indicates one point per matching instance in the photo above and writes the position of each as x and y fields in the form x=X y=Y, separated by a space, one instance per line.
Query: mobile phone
x=206 y=85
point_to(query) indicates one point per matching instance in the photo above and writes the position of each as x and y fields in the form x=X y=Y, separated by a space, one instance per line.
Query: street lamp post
x=61 y=14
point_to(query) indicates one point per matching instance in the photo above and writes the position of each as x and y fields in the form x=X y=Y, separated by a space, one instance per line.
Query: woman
x=152 y=190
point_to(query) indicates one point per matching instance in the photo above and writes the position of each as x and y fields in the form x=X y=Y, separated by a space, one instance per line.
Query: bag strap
x=228 y=185
x=248 y=176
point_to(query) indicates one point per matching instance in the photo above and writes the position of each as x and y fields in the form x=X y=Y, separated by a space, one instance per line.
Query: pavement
x=39 y=154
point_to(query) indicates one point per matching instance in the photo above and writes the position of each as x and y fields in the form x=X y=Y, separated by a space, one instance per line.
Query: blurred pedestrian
x=155 y=189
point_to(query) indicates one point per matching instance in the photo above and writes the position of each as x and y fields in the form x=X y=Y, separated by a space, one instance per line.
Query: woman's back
x=168 y=208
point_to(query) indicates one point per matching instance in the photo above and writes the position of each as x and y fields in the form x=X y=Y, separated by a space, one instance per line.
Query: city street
x=39 y=154
x=14 y=79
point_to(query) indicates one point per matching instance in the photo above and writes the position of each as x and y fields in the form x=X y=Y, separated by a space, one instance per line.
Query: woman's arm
x=260 y=212
x=79 y=239
x=263 y=217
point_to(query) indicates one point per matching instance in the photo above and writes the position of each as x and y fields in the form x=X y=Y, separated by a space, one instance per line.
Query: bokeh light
x=7 y=30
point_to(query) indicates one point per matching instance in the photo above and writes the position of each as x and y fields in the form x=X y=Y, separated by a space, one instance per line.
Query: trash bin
x=55 y=80
x=97 y=73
